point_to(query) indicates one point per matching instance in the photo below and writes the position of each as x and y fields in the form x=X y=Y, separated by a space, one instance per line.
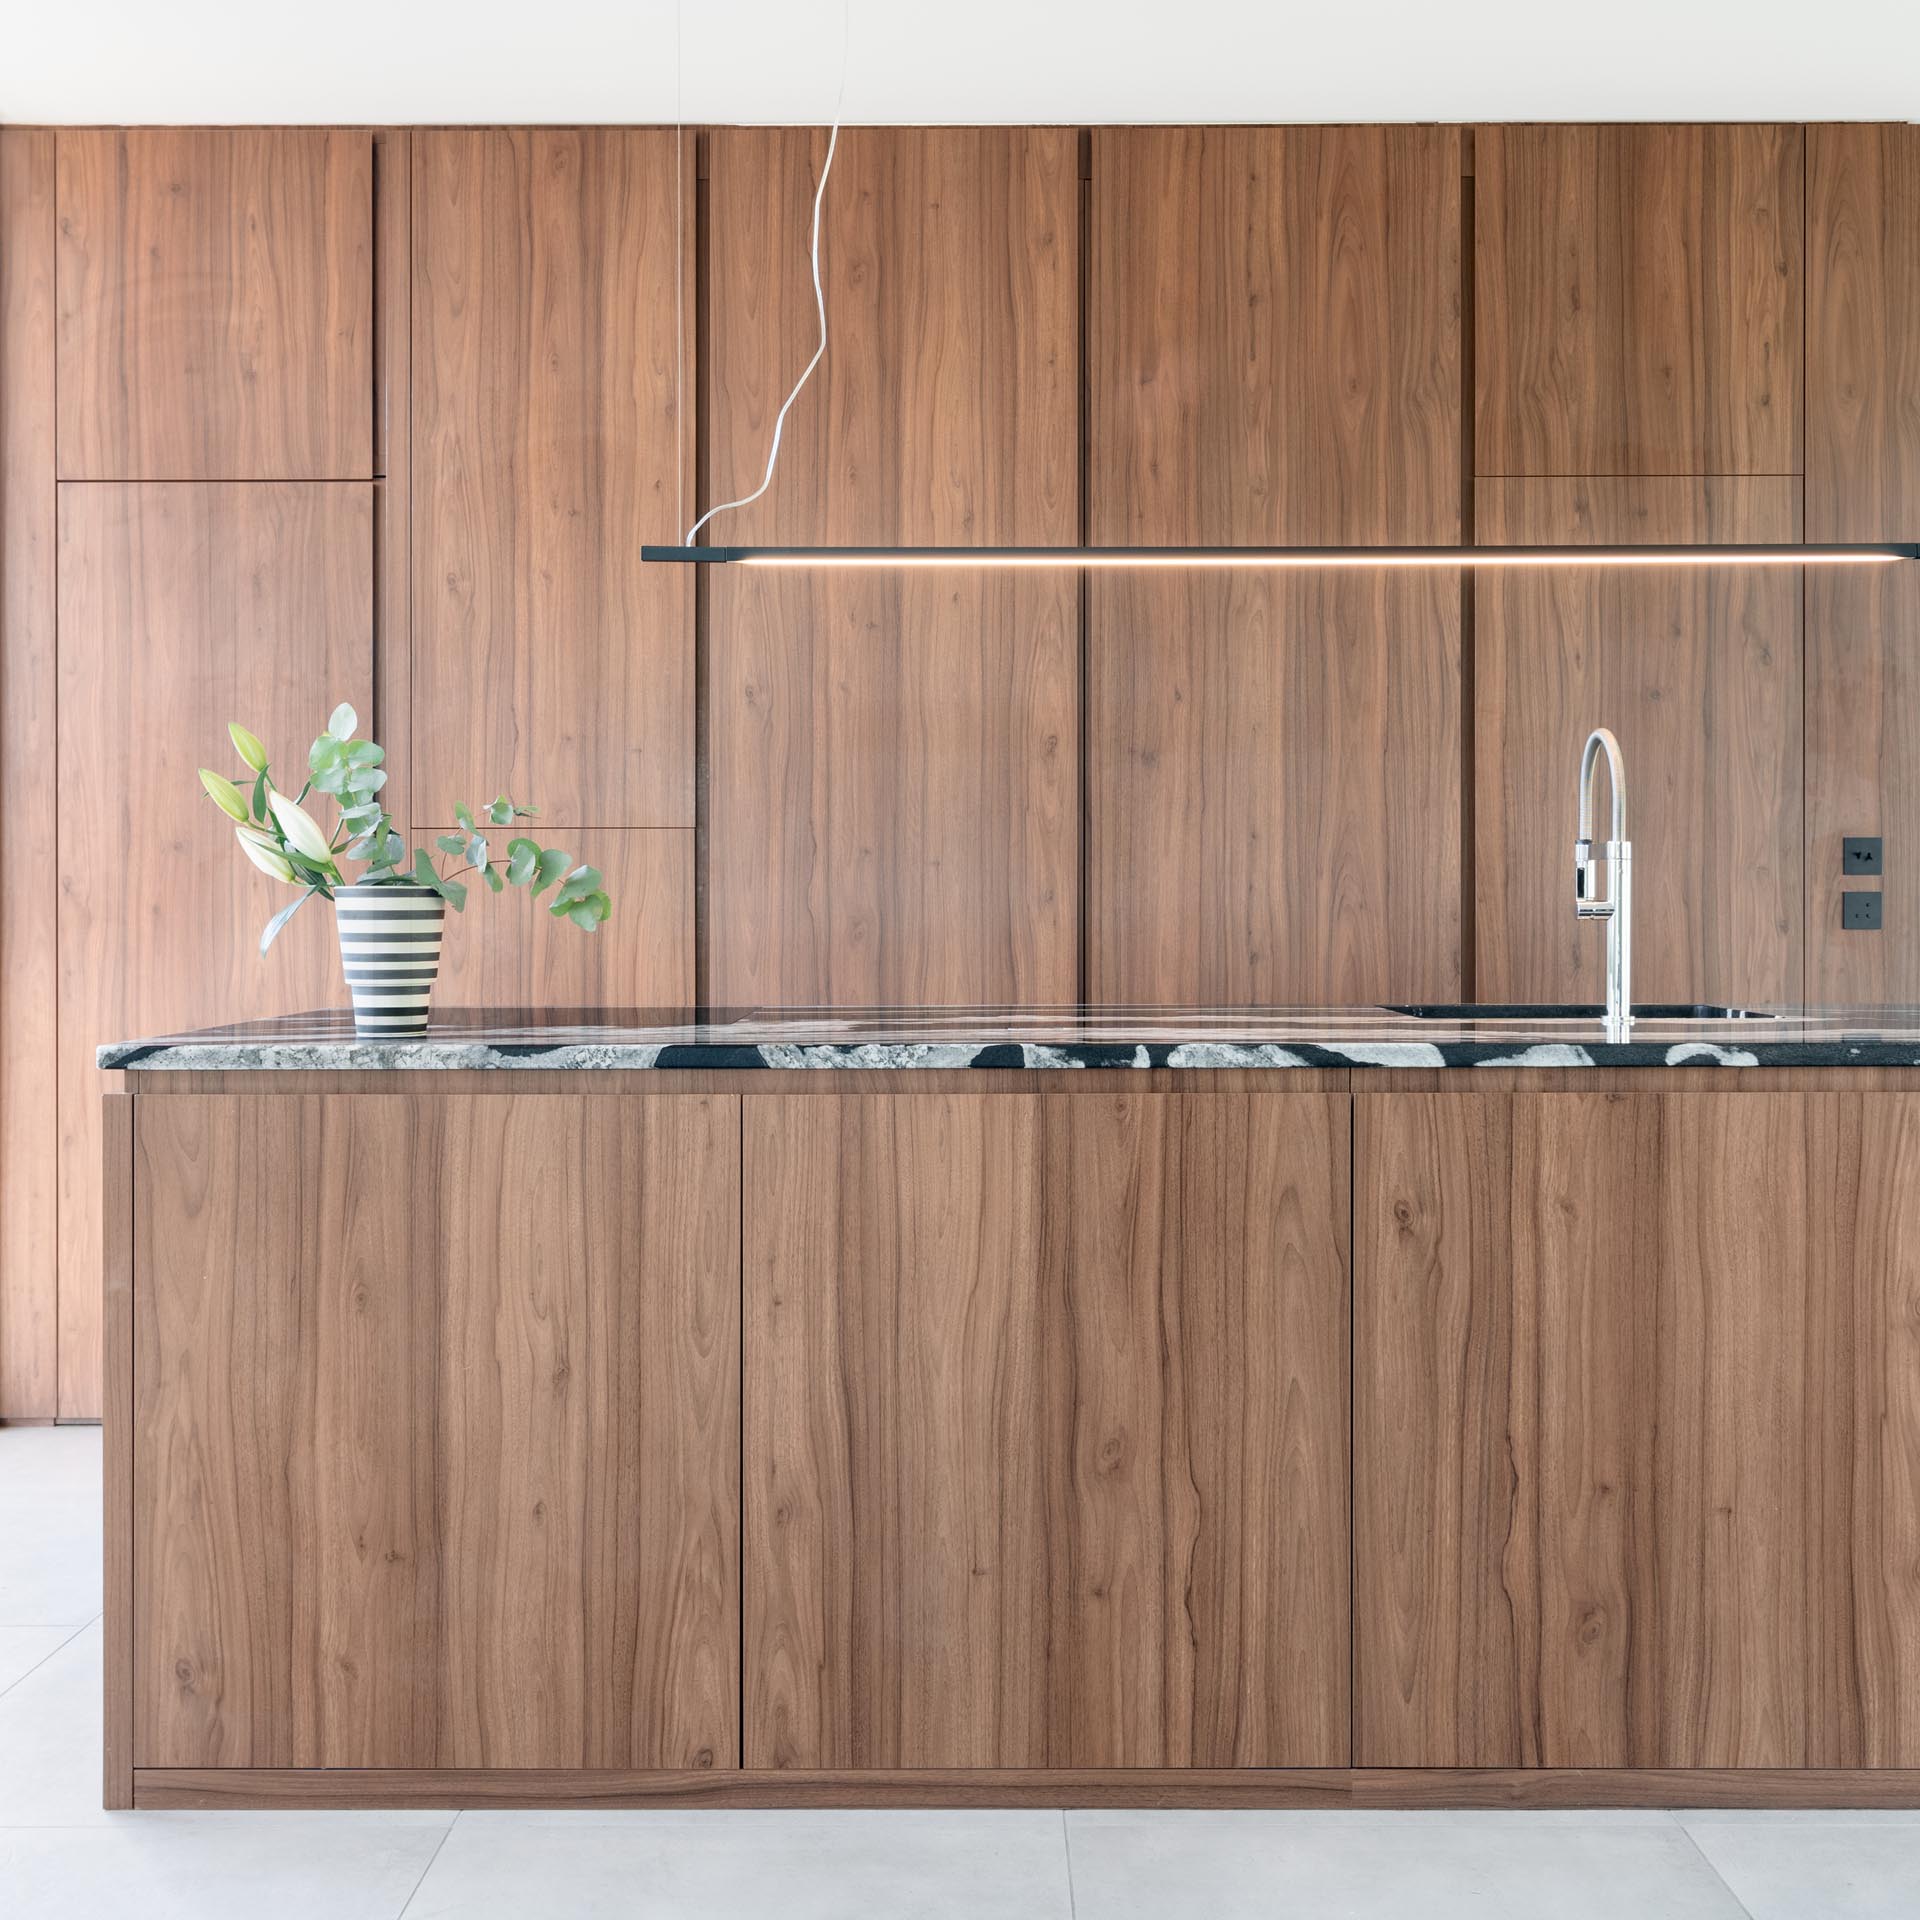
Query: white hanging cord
x=679 y=295
x=819 y=301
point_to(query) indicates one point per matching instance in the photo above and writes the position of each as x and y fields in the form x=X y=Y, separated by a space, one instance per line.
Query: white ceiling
x=427 y=61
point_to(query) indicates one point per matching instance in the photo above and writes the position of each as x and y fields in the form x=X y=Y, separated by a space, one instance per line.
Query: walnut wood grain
x=1863 y=340
x=1863 y=483
x=1698 y=670
x=1274 y=762
x=511 y=952
x=1045 y=1431
x=118 y=1415
x=1630 y=1496
x=1148 y=1787
x=1638 y=299
x=216 y=304
x=431 y=1474
x=547 y=447
x=893 y=801
x=391 y=721
x=29 y=1286
x=182 y=607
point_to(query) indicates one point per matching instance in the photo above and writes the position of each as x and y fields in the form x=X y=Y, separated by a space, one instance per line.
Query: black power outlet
x=1860 y=854
x=1860 y=912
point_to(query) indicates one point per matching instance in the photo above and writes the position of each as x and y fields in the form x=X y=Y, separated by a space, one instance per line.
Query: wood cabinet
x=182 y=607
x=215 y=304
x=435 y=1429
x=1274 y=762
x=1635 y=1424
x=1863 y=483
x=893 y=804
x=1045 y=1431
x=1638 y=300
x=552 y=364
x=1698 y=670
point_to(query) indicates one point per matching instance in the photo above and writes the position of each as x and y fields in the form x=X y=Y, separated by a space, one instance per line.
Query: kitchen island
x=1039 y=1406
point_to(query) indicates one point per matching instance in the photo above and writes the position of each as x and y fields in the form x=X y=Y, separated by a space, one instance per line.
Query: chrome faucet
x=1617 y=907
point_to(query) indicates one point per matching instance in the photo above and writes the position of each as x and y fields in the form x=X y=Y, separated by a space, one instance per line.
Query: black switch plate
x=1860 y=854
x=1860 y=912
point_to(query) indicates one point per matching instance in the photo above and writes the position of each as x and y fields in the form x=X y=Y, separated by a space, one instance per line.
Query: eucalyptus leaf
x=423 y=870
x=345 y=723
x=578 y=885
x=454 y=843
x=464 y=814
x=455 y=895
x=224 y=794
x=523 y=857
x=553 y=863
x=500 y=813
x=364 y=753
x=477 y=850
x=493 y=879
x=280 y=919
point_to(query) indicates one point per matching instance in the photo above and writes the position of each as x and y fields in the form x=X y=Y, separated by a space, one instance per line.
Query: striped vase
x=390 y=951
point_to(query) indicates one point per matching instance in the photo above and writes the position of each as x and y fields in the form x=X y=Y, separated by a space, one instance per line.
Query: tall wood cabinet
x=1045 y=1431
x=1274 y=760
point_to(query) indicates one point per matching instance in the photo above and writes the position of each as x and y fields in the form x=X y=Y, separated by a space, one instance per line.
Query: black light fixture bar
x=1200 y=558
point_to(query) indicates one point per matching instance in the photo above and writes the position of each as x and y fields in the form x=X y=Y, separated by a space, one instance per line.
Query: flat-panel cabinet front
x=1046 y=1430
x=436 y=1431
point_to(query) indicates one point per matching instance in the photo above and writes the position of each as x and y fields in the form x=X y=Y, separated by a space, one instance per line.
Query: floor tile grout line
x=1066 y=1840
x=48 y=1655
x=439 y=1846
x=1706 y=1860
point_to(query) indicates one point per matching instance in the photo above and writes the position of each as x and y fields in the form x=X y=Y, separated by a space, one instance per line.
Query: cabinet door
x=1046 y=1431
x=1273 y=760
x=1635 y=1424
x=1637 y=299
x=181 y=608
x=216 y=304
x=436 y=1431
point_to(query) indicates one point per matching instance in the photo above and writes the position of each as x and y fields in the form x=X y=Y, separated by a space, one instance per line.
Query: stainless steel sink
x=1458 y=1012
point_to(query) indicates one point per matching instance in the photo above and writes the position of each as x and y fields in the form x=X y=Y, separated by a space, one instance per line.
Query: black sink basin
x=1462 y=1011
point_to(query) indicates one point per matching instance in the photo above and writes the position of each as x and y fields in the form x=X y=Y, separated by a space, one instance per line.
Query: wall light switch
x=1860 y=912
x=1860 y=854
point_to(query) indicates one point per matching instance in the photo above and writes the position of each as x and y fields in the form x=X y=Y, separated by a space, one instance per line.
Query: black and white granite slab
x=897 y=1039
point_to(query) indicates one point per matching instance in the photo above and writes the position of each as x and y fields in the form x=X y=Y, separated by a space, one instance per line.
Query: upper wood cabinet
x=1274 y=336
x=1863 y=326
x=552 y=360
x=1046 y=1430
x=1637 y=299
x=893 y=796
x=182 y=607
x=424 y=1480
x=1634 y=1425
x=216 y=304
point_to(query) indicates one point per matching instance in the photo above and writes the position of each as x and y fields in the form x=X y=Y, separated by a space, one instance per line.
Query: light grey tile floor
x=62 y=1858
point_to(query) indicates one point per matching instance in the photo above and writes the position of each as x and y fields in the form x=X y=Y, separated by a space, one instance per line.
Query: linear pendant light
x=1200 y=558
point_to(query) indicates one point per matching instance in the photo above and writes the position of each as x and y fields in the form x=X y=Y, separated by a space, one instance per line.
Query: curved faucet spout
x=1616 y=908
x=1601 y=740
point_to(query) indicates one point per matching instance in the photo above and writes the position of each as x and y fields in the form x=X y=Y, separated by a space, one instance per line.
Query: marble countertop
x=627 y=1038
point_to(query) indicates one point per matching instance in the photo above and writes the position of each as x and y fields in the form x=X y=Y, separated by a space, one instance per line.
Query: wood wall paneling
x=547 y=371
x=29 y=1338
x=1863 y=483
x=1699 y=673
x=430 y=1476
x=1274 y=762
x=1638 y=299
x=216 y=304
x=181 y=607
x=893 y=792
x=1589 y=1435
x=1045 y=1431
x=391 y=722
x=510 y=952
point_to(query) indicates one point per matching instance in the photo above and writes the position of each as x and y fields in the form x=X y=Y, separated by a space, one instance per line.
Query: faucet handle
x=1585 y=906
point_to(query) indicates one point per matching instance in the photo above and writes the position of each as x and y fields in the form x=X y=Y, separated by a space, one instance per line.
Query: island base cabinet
x=1046 y=1431
x=1637 y=1430
x=436 y=1428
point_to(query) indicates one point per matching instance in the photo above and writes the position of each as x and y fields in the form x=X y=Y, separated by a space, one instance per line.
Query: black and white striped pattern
x=390 y=951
